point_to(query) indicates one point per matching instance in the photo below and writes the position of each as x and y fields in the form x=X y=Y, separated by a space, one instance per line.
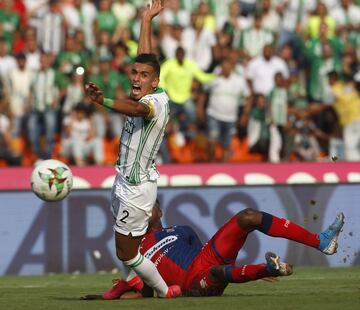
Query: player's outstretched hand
x=94 y=93
x=271 y=279
x=153 y=10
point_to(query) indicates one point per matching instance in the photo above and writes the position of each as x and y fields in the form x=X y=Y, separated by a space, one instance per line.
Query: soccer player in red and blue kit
x=206 y=270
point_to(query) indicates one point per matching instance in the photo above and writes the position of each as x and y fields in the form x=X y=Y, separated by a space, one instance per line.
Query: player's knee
x=249 y=218
x=217 y=274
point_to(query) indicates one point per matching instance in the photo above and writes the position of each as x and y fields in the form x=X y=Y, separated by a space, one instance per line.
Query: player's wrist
x=108 y=103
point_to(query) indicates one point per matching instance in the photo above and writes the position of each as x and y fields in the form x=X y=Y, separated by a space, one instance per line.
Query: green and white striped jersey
x=140 y=140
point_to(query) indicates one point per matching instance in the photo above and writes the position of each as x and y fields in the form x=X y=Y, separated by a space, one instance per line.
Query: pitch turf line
x=308 y=288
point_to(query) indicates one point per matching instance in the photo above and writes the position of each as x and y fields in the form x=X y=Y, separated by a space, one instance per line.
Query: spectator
x=223 y=108
x=347 y=105
x=323 y=55
x=114 y=85
x=75 y=91
x=105 y=19
x=203 y=42
x=81 y=16
x=9 y=22
x=19 y=81
x=294 y=16
x=278 y=106
x=347 y=18
x=306 y=146
x=320 y=17
x=45 y=89
x=248 y=7
x=271 y=19
x=7 y=62
x=262 y=69
x=70 y=57
x=31 y=50
x=235 y=22
x=171 y=40
x=174 y=15
x=176 y=78
x=253 y=39
x=258 y=128
x=52 y=29
x=79 y=141
x=124 y=12
x=7 y=152
x=297 y=90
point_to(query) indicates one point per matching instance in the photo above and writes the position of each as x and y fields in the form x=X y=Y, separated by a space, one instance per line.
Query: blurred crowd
x=267 y=80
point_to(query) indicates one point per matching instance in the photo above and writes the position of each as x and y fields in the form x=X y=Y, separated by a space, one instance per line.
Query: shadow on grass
x=82 y=298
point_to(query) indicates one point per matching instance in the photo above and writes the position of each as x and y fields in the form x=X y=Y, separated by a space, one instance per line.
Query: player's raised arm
x=145 y=31
x=124 y=106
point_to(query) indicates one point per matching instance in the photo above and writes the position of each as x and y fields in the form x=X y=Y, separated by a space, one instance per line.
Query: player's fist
x=94 y=93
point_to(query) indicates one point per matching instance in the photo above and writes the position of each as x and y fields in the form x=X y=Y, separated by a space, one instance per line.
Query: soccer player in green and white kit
x=134 y=190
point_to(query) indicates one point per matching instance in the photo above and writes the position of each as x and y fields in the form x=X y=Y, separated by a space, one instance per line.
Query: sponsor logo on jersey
x=159 y=245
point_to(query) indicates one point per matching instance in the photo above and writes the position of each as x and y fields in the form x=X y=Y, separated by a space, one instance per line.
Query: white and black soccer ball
x=51 y=180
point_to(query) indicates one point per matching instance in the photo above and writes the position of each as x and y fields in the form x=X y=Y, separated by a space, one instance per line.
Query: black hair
x=151 y=60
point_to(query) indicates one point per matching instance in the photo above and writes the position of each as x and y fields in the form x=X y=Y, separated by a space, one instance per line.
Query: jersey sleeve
x=153 y=103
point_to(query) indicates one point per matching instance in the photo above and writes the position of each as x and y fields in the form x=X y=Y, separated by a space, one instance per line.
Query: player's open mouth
x=136 y=90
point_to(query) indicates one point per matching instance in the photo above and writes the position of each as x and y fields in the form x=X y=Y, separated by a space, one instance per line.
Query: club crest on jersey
x=129 y=125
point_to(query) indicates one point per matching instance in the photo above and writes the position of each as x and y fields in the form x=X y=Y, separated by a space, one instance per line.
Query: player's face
x=143 y=80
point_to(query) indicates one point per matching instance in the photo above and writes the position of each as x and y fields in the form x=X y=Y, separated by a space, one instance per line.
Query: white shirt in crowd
x=7 y=64
x=271 y=21
x=181 y=17
x=292 y=14
x=200 y=50
x=262 y=72
x=124 y=12
x=342 y=17
x=4 y=123
x=19 y=87
x=79 y=130
x=33 y=61
x=225 y=96
x=82 y=19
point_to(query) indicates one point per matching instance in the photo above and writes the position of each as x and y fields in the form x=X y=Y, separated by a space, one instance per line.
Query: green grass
x=308 y=288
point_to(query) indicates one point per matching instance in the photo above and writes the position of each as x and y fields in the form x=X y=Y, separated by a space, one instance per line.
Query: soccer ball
x=51 y=180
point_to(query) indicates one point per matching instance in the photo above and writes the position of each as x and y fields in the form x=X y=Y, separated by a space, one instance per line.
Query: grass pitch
x=308 y=288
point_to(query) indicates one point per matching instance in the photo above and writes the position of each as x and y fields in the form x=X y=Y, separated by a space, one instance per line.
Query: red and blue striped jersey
x=172 y=250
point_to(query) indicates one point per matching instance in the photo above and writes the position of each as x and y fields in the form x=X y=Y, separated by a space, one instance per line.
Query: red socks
x=279 y=227
x=246 y=273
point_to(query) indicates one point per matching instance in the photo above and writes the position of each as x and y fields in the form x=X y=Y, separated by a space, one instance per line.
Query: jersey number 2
x=125 y=216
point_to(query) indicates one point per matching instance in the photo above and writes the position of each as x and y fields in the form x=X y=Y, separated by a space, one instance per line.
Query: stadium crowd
x=268 y=80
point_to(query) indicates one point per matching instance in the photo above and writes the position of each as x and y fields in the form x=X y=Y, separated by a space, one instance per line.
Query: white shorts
x=132 y=205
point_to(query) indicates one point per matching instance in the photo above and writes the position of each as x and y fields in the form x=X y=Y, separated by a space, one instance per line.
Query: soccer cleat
x=276 y=267
x=329 y=237
x=173 y=291
x=121 y=286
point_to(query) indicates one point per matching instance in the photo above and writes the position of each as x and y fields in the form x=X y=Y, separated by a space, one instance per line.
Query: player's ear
x=155 y=82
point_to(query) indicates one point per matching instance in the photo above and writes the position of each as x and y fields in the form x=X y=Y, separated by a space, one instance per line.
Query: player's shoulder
x=159 y=95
